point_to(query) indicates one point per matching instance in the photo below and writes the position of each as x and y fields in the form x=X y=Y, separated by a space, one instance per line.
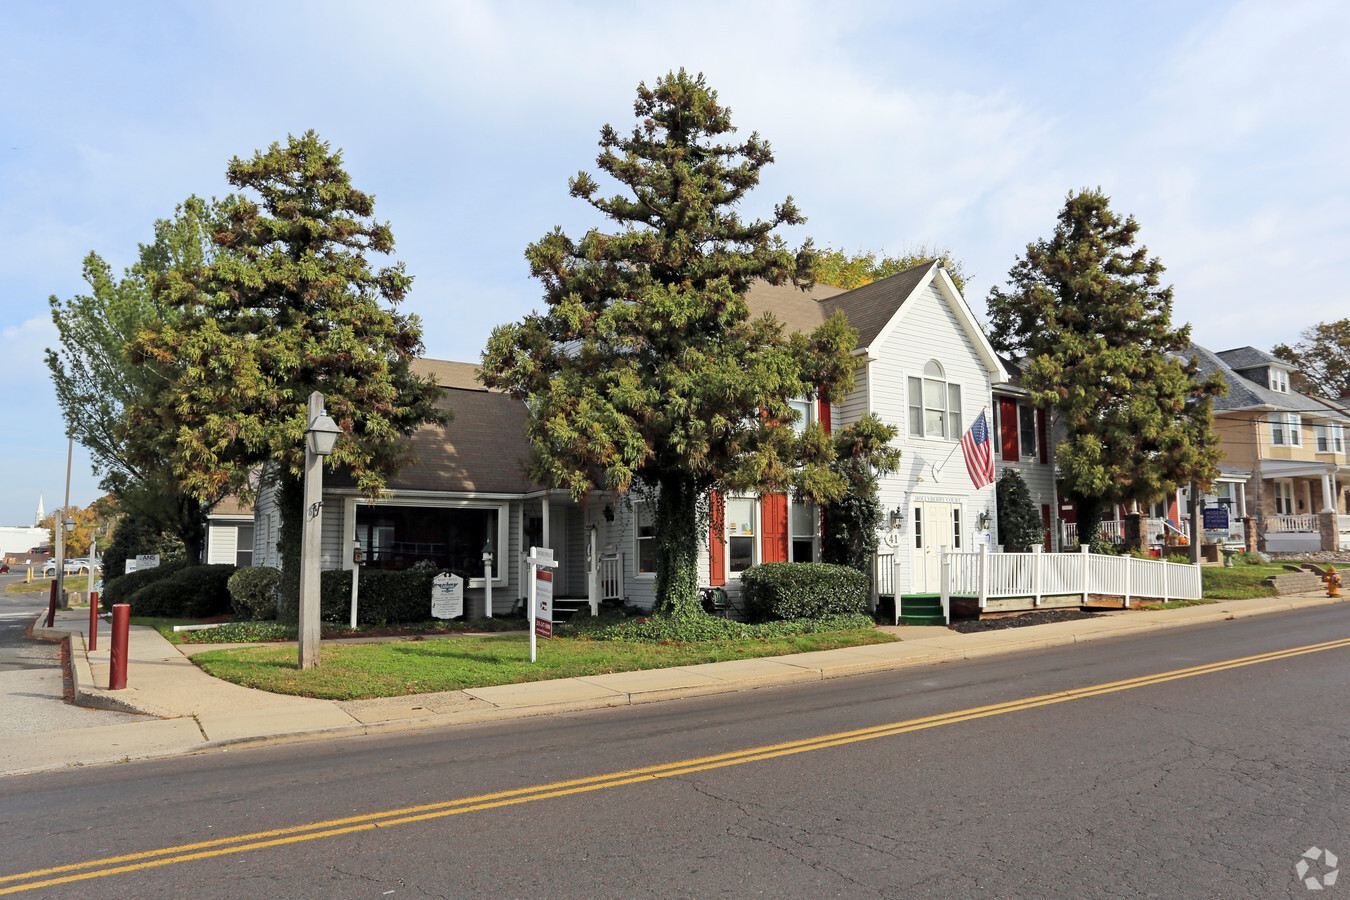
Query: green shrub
x=197 y=592
x=1251 y=558
x=694 y=629
x=384 y=598
x=120 y=590
x=253 y=592
x=1178 y=558
x=773 y=591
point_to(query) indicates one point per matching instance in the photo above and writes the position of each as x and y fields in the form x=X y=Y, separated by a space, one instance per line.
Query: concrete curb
x=505 y=702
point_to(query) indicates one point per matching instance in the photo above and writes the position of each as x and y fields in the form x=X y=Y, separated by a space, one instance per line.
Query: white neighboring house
x=229 y=534
x=925 y=366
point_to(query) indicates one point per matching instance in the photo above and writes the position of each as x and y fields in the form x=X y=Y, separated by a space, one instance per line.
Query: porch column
x=1328 y=495
x=1328 y=529
x=1251 y=541
x=544 y=504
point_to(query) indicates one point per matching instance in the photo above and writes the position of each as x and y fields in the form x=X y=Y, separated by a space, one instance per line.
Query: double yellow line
x=132 y=862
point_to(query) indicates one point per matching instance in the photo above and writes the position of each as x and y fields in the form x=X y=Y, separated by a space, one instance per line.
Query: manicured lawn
x=38 y=586
x=1237 y=583
x=358 y=671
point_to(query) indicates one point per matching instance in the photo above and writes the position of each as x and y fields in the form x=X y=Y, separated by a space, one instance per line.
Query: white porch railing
x=611 y=577
x=1291 y=524
x=1113 y=530
x=982 y=575
x=883 y=572
x=1343 y=527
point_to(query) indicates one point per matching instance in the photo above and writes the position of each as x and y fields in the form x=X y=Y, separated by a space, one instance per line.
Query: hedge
x=773 y=591
x=197 y=592
x=385 y=597
x=253 y=592
x=118 y=591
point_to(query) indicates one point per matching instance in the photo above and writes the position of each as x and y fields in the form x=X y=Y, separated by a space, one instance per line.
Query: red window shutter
x=1040 y=435
x=717 y=548
x=773 y=528
x=1045 y=518
x=1007 y=424
x=824 y=414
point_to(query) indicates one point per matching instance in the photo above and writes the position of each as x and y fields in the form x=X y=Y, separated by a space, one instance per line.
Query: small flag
x=978 y=453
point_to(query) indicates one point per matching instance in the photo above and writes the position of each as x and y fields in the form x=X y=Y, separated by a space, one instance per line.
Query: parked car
x=4 y=567
x=75 y=566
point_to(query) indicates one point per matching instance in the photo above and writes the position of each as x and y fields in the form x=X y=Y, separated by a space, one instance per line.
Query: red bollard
x=93 y=620
x=51 y=606
x=121 y=624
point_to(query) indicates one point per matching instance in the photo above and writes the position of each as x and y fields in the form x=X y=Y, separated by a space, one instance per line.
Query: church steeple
x=41 y=514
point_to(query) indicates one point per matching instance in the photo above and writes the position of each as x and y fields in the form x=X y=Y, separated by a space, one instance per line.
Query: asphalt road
x=31 y=679
x=1038 y=775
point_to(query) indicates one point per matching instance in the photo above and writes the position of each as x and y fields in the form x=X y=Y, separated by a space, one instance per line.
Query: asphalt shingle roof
x=1240 y=358
x=1243 y=393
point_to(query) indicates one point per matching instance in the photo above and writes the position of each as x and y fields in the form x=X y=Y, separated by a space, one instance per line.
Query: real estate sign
x=543 y=596
x=144 y=561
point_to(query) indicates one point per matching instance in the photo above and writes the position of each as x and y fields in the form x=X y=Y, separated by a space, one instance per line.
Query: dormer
x=1259 y=367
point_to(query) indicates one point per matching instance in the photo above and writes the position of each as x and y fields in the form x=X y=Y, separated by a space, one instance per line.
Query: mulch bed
x=1019 y=620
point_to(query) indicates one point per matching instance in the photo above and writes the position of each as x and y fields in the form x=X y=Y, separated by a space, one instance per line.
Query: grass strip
x=391 y=669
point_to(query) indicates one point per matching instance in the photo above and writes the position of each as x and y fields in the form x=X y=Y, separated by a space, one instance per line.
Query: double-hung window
x=1284 y=498
x=1279 y=380
x=802 y=407
x=1286 y=430
x=644 y=535
x=741 y=533
x=1026 y=420
x=934 y=404
x=804 y=528
x=1330 y=438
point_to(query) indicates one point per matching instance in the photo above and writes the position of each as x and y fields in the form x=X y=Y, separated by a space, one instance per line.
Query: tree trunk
x=191 y=528
x=677 y=548
x=1090 y=517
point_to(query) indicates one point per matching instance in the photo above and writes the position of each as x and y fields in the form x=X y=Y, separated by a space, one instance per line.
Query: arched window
x=934 y=404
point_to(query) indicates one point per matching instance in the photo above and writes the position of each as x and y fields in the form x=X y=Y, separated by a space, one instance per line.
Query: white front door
x=934 y=534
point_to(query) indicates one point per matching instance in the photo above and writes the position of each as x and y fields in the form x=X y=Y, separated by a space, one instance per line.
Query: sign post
x=541 y=563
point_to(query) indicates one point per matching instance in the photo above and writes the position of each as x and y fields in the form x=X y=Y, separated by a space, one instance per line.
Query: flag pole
x=958 y=443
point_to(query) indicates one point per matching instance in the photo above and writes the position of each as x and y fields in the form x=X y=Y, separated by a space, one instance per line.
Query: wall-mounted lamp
x=609 y=513
x=896 y=516
x=982 y=521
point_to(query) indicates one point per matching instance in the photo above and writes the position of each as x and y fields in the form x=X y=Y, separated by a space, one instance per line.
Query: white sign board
x=543 y=598
x=447 y=596
x=146 y=561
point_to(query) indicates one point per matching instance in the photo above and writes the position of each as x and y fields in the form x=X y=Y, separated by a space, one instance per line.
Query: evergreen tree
x=1019 y=521
x=292 y=306
x=863 y=452
x=647 y=368
x=1086 y=310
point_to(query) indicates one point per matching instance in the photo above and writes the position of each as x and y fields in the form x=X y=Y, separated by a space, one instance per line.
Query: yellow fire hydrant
x=1333 y=582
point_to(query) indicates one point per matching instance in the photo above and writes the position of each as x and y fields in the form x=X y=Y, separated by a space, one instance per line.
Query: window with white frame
x=802 y=406
x=956 y=528
x=934 y=404
x=742 y=546
x=1026 y=422
x=1284 y=498
x=1330 y=438
x=1286 y=430
x=644 y=537
x=918 y=527
x=1279 y=380
x=804 y=528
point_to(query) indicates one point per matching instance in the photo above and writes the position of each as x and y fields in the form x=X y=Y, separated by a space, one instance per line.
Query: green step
x=923 y=620
x=923 y=609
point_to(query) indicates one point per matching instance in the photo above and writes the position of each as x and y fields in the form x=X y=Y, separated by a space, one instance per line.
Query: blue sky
x=1220 y=126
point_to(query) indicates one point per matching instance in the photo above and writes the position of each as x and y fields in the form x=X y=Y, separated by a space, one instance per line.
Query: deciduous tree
x=850 y=270
x=647 y=368
x=1322 y=357
x=1087 y=311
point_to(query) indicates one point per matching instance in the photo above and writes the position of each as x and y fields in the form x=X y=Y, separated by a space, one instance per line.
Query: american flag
x=979 y=454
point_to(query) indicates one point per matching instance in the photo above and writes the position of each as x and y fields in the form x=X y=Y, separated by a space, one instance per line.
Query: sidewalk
x=187 y=710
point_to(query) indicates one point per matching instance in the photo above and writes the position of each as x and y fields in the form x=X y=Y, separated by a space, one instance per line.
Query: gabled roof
x=872 y=309
x=481 y=451
x=1240 y=358
x=1243 y=393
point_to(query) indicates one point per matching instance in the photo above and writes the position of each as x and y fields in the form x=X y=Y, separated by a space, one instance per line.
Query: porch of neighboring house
x=1305 y=508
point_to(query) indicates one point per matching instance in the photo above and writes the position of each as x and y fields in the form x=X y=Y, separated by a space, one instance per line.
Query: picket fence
x=982 y=575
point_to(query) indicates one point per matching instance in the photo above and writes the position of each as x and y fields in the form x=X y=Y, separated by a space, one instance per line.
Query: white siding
x=930 y=468
x=267 y=527
x=854 y=406
x=1040 y=477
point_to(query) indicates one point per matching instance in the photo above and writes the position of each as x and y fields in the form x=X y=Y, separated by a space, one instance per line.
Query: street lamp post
x=320 y=437
x=61 y=529
x=487 y=578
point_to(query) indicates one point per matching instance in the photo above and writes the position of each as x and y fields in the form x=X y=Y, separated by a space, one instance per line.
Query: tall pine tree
x=647 y=369
x=1086 y=310
x=293 y=307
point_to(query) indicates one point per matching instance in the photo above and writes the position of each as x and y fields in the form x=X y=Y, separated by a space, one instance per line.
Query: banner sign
x=447 y=596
